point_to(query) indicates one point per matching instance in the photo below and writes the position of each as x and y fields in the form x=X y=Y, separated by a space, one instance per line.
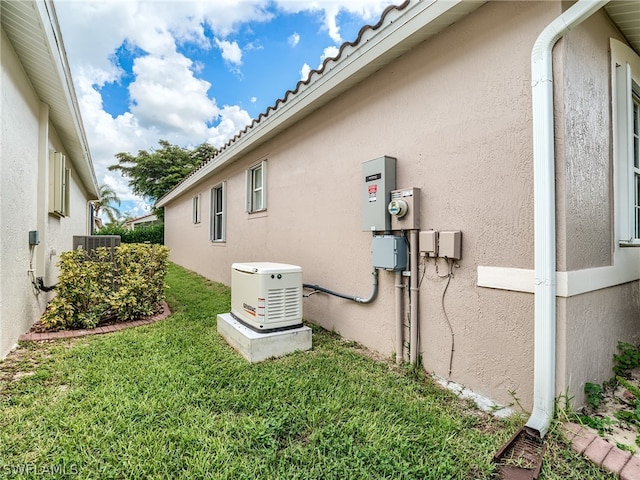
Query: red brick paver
x=570 y=430
x=631 y=471
x=603 y=453
x=598 y=450
x=615 y=460
x=582 y=440
x=38 y=337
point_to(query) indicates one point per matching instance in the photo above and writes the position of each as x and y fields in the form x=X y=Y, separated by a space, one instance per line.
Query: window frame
x=625 y=66
x=252 y=205
x=217 y=231
x=196 y=209
x=60 y=185
x=634 y=163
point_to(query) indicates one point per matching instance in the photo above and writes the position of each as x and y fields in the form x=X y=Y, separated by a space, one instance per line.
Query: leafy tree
x=107 y=197
x=153 y=173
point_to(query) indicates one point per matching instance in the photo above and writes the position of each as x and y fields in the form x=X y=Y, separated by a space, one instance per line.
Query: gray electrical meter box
x=379 y=178
x=389 y=252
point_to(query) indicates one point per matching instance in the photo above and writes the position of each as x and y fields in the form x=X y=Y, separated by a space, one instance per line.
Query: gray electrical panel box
x=389 y=252
x=379 y=178
x=34 y=237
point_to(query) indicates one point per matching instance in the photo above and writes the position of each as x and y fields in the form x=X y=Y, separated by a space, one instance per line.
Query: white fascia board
x=402 y=31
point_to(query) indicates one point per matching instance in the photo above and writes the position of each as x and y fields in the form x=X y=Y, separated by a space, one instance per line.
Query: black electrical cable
x=44 y=288
x=424 y=270
x=353 y=298
x=444 y=310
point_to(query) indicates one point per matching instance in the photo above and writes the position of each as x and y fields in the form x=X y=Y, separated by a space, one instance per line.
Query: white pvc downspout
x=545 y=212
x=399 y=318
x=414 y=319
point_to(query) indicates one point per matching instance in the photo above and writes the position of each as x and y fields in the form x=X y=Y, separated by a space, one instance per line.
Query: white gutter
x=545 y=212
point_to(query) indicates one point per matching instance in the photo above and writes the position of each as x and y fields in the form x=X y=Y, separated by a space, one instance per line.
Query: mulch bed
x=39 y=333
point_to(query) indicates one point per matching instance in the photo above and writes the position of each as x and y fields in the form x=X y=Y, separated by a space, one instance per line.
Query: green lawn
x=173 y=400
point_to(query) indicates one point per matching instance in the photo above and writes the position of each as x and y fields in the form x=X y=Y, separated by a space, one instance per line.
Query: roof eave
x=625 y=15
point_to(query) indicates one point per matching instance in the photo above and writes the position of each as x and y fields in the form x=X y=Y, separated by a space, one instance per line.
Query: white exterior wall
x=18 y=209
x=27 y=138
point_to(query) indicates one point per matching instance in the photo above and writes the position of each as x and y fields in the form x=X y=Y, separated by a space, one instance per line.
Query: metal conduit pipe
x=544 y=368
x=414 y=319
x=353 y=298
x=399 y=318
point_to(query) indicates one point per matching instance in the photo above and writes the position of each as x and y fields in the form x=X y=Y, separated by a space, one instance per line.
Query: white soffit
x=626 y=16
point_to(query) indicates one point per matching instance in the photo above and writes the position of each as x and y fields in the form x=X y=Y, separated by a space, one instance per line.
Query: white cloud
x=331 y=24
x=168 y=100
x=367 y=10
x=166 y=95
x=294 y=39
x=329 y=52
x=304 y=72
x=232 y=120
x=253 y=99
x=231 y=52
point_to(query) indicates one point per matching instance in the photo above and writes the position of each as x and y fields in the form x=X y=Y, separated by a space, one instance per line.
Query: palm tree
x=105 y=203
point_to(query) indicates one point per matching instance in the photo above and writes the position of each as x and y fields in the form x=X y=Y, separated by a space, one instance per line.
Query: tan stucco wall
x=589 y=329
x=456 y=113
x=591 y=324
x=22 y=123
x=584 y=154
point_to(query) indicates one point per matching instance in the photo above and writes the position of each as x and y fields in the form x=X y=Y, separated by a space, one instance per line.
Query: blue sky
x=192 y=71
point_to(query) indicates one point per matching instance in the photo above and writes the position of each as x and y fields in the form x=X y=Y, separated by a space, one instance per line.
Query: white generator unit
x=267 y=296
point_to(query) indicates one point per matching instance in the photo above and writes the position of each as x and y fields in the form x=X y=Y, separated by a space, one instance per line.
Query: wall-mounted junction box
x=34 y=237
x=389 y=252
x=405 y=209
x=428 y=241
x=450 y=244
x=378 y=180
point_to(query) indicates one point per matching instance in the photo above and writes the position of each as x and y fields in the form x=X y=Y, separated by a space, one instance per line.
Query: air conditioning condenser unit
x=91 y=242
x=267 y=296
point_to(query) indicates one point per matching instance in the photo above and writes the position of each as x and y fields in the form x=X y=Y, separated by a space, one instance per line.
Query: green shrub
x=92 y=288
x=151 y=234
x=628 y=359
x=594 y=395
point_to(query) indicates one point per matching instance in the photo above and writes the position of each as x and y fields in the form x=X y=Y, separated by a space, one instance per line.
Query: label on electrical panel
x=373 y=192
x=371 y=178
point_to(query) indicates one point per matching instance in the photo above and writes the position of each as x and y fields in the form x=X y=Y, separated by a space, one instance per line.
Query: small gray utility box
x=389 y=252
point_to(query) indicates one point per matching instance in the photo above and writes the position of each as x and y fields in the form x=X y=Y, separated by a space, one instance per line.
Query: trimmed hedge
x=151 y=234
x=97 y=288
